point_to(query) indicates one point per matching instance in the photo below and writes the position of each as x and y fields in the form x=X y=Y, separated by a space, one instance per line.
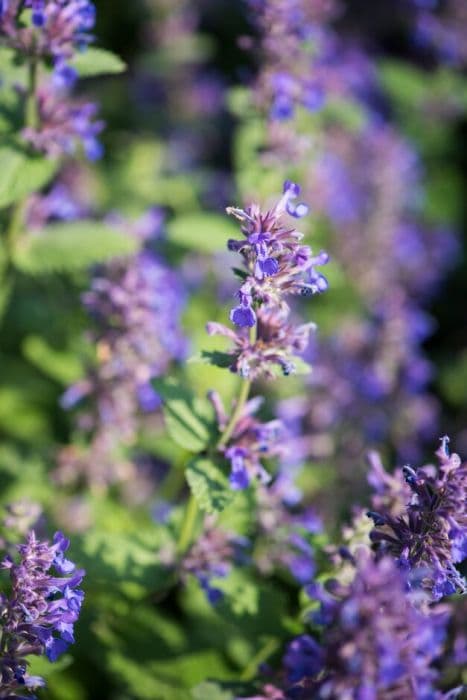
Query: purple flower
x=375 y=643
x=430 y=537
x=136 y=304
x=64 y=124
x=41 y=609
x=251 y=441
x=211 y=557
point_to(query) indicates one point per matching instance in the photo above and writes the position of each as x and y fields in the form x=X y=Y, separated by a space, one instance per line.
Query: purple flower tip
x=243 y=316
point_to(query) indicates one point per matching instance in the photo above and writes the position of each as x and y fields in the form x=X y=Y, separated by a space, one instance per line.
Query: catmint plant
x=38 y=610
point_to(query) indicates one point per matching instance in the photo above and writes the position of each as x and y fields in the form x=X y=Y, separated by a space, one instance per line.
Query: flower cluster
x=430 y=537
x=56 y=29
x=289 y=32
x=375 y=643
x=276 y=265
x=63 y=124
x=284 y=529
x=39 y=613
x=212 y=557
x=250 y=442
x=136 y=305
x=43 y=30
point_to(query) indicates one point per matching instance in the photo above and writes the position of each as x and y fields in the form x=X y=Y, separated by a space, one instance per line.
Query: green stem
x=263 y=654
x=31 y=116
x=241 y=401
x=188 y=525
x=191 y=511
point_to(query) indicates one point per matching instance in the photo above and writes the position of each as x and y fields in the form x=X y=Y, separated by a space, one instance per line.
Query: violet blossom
x=430 y=537
x=39 y=612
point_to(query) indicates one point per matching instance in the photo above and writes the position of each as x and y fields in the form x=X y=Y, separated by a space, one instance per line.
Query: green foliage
x=67 y=247
x=189 y=419
x=206 y=233
x=23 y=173
x=211 y=691
x=93 y=62
x=125 y=561
x=209 y=485
x=63 y=367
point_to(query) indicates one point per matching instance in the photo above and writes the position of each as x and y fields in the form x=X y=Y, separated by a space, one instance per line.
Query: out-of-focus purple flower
x=58 y=30
x=442 y=31
x=63 y=125
x=374 y=644
x=284 y=528
x=58 y=204
x=430 y=537
x=287 y=79
x=251 y=441
x=211 y=557
x=136 y=305
x=39 y=613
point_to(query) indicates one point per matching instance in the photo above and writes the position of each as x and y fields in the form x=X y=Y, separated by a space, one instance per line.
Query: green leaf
x=211 y=691
x=94 y=62
x=241 y=595
x=63 y=367
x=129 y=562
x=70 y=246
x=189 y=419
x=209 y=485
x=12 y=66
x=213 y=357
x=206 y=233
x=22 y=174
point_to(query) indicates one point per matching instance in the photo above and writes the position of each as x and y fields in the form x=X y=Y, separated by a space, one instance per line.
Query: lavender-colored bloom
x=430 y=537
x=59 y=29
x=277 y=344
x=39 y=613
x=211 y=557
x=284 y=528
x=276 y=264
x=251 y=441
x=287 y=29
x=375 y=644
x=64 y=124
x=136 y=305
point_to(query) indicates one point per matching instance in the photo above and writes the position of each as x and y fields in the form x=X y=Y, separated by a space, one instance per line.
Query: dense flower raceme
x=430 y=536
x=375 y=644
x=288 y=31
x=276 y=266
x=39 y=612
x=442 y=27
x=54 y=29
x=136 y=304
